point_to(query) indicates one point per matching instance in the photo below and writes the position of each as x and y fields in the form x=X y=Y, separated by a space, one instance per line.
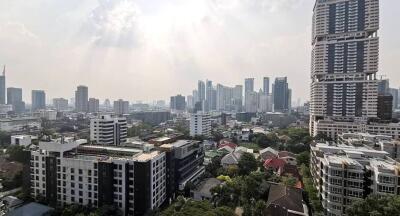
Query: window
x=386 y=179
x=80 y=171
x=385 y=189
x=72 y=170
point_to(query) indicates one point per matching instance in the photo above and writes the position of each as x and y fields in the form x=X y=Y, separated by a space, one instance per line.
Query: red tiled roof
x=274 y=163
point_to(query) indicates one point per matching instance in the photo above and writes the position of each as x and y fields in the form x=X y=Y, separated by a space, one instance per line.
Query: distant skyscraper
x=266 y=85
x=195 y=96
x=121 y=107
x=249 y=85
x=14 y=98
x=201 y=89
x=60 y=104
x=282 y=95
x=178 y=103
x=82 y=99
x=38 y=100
x=209 y=94
x=94 y=105
x=383 y=86
x=3 y=87
x=395 y=93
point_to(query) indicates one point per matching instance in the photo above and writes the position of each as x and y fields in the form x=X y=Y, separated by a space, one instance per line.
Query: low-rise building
x=20 y=124
x=21 y=140
x=65 y=171
x=108 y=130
x=343 y=174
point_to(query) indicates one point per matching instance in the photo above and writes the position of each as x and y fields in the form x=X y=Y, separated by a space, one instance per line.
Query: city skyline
x=77 y=55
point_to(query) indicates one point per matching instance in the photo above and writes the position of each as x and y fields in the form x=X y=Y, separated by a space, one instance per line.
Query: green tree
x=16 y=153
x=289 y=181
x=303 y=158
x=247 y=163
x=5 y=138
x=186 y=207
x=375 y=205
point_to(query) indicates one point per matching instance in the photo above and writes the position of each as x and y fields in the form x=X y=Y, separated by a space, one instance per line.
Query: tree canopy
x=376 y=206
x=189 y=207
x=247 y=164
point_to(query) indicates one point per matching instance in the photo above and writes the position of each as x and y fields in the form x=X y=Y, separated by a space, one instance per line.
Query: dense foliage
x=247 y=164
x=376 y=206
x=183 y=207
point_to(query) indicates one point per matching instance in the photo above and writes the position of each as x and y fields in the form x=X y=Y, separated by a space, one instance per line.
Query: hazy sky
x=152 y=49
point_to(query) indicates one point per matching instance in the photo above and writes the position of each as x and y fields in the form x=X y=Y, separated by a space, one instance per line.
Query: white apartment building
x=66 y=172
x=343 y=174
x=21 y=140
x=200 y=124
x=108 y=130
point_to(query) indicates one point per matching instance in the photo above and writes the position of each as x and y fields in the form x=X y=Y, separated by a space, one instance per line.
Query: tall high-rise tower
x=345 y=52
x=82 y=99
x=266 y=85
x=3 y=86
x=38 y=100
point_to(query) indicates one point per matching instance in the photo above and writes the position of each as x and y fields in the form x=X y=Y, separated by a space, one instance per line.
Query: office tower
x=108 y=130
x=3 y=87
x=345 y=55
x=385 y=106
x=121 y=107
x=38 y=100
x=214 y=99
x=266 y=85
x=209 y=94
x=282 y=95
x=201 y=89
x=395 y=93
x=66 y=171
x=94 y=105
x=178 y=103
x=383 y=86
x=14 y=98
x=60 y=104
x=81 y=99
x=200 y=124
x=248 y=85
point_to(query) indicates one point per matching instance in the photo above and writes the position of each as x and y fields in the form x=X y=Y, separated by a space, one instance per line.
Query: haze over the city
x=149 y=50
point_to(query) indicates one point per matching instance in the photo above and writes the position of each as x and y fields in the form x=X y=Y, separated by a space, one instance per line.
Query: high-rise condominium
x=345 y=53
x=121 y=107
x=94 y=105
x=82 y=99
x=38 y=100
x=178 y=103
x=3 y=87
